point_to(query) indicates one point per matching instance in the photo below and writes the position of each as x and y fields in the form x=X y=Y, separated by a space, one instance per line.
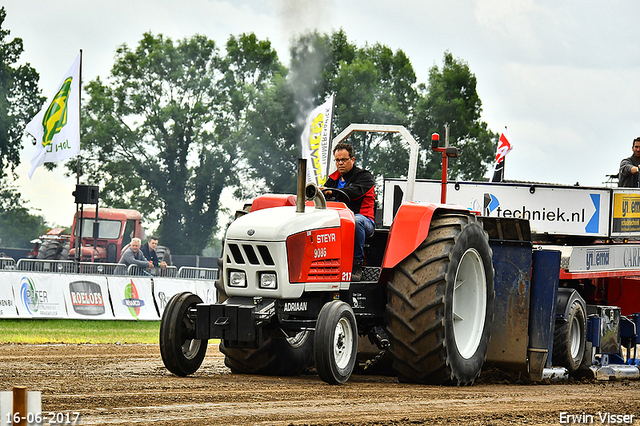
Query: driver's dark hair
x=345 y=146
x=633 y=144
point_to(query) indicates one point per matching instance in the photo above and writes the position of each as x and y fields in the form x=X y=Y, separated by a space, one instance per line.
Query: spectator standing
x=149 y=251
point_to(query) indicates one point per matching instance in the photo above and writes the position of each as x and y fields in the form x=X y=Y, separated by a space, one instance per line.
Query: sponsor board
x=604 y=258
x=8 y=307
x=87 y=297
x=39 y=295
x=626 y=213
x=165 y=288
x=35 y=295
x=207 y=292
x=549 y=209
x=132 y=298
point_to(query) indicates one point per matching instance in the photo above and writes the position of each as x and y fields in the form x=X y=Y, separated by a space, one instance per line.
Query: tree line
x=177 y=121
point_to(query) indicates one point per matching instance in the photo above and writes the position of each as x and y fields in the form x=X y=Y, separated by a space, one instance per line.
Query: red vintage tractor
x=104 y=236
x=285 y=273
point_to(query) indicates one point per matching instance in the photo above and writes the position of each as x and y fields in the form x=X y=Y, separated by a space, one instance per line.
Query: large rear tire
x=164 y=254
x=440 y=304
x=181 y=352
x=53 y=250
x=279 y=355
x=569 y=339
x=336 y=342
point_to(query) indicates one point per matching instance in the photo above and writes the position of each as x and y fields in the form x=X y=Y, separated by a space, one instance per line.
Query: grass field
x=78 y=331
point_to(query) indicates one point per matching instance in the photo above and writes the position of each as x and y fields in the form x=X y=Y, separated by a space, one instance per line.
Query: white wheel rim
x=298 y=339
x=469 y=303
x=190 y=348
x=342 y=343
x=575 y=337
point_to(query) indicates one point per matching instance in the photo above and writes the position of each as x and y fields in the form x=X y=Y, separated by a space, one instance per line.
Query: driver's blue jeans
x=364 y=228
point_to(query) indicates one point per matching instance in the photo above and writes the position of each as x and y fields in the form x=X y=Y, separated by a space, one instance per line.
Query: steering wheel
x=336 y=195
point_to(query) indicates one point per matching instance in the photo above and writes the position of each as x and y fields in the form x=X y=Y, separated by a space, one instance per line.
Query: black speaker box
x=86 y=194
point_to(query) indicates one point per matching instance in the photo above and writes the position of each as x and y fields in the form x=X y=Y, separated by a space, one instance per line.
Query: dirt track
x=128 y=384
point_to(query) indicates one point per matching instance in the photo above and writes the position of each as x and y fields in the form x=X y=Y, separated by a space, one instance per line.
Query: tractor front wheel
x=336 y=342
x=181 y=352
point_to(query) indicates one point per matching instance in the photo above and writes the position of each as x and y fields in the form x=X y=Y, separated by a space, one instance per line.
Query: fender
x=279 y=200
x=410 y=228
x=566 y=297
x=272 y=200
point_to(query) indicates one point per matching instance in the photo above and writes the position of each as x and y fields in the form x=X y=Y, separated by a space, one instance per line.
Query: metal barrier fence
x=198 y=273
x=168 y=272
x=7 y=263
x=39 y=265
x=102 y=268
x=116 y=269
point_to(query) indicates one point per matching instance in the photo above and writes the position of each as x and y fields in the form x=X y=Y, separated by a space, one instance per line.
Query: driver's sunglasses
x=342 y=160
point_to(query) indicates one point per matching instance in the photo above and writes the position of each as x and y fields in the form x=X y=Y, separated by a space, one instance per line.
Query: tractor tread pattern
x=416 y=306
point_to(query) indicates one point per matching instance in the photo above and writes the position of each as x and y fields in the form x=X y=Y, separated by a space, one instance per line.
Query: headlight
x=237 y=279
x=268 y=280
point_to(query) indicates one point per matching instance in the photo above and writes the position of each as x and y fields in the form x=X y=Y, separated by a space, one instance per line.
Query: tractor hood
x=276 y=224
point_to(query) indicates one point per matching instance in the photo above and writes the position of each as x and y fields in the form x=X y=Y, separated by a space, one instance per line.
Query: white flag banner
x=316 y=142
x=57 y=126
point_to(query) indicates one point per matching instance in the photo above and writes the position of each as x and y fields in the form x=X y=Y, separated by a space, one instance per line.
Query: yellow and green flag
x=57 y=126
x=316 y=142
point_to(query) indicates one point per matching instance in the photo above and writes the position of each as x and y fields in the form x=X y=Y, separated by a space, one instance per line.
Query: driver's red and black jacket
x=360 y=187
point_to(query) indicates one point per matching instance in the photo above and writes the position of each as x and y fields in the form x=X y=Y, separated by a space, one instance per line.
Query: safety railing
x=197 y=273
x=7 y=263
x=169 y=271
x=92 y=268
x=40 y=265
x=116 y=269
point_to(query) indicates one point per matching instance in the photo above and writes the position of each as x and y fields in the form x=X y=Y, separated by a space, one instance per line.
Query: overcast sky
x=564 y=76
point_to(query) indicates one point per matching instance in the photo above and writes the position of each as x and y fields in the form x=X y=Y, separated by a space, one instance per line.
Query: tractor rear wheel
x=53 y=250
x=440 y=304
x=336 y=342
x=181 y=352
x=279 y=355
x=569 y=339
x=164 y=254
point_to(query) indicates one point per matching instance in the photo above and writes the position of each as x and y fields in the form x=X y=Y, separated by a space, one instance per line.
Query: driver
x=358 y=185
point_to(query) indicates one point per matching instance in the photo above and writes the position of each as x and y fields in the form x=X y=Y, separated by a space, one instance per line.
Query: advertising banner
x=207 y=291
x=550 y=209
x=87 y=297
x=625 y=212
x=8 y=307
x=39 y=295
x=165 y=288
x=604 y=258
x=132 y=298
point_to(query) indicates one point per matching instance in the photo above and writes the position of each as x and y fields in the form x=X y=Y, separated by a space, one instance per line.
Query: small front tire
x=181 y=352
x=336 y=342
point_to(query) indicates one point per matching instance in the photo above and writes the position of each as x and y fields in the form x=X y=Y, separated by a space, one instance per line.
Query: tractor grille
x=325 y=270
x=244 y=254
